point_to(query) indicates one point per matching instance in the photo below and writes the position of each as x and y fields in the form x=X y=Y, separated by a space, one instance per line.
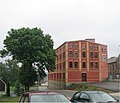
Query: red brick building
x=79 y=61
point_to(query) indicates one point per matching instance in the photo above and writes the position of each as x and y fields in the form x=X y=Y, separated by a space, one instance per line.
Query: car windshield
x=49 y=98
x=101 y=97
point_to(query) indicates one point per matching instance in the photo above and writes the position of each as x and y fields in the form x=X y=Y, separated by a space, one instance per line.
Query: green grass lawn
x=86 y=87
x=7 y=99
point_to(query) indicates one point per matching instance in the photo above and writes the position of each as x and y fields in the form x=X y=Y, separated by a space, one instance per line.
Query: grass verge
x=87 y=87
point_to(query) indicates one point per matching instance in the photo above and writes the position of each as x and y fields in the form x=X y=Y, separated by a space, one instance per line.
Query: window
x=60 y=56
x=83 y=47
x=83 y=54
x=91 y=65
x=76 y=54
x=91 y=54
x=76 y=64
x=70 y=64
x=103 y=57
x=60 y=65
x=63 y=54
x=63 y=75
x=83 y=64
x=96 y=64
x=70 y=45
x=63 y=65
x=57 y=58
x=96 y=47
x=103 y=49
x=75 y=46
x=84 y=96
x=91 y=47
x=96 y=54
x=70 y=54
x=76 y=96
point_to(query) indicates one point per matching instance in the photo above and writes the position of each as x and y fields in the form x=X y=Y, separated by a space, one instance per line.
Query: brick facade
x=79 y=61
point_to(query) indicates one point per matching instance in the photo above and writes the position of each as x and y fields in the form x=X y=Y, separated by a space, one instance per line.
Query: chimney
x=90 y=40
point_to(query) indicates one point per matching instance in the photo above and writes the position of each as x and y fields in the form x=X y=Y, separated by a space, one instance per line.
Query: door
x=84 y=77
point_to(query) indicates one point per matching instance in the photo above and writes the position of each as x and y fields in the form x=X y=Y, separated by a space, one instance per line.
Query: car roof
x=42 y=92
x=92 y=91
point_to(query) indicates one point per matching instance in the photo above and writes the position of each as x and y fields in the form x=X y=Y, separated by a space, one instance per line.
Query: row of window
x=57 y=76
x=59 y=57
x=84 y=64
x=71 y=45
x=84 y=55
x=61 y=66
x=91 y=47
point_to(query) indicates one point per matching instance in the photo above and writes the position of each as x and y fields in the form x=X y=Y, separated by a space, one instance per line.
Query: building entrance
x=84 y=77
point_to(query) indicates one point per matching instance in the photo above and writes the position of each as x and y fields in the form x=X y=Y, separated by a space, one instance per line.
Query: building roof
x=112 y=60
x=86 y=40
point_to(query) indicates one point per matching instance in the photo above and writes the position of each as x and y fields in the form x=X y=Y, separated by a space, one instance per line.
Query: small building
x=114 y=67
x=79 y=61
x=2 y=85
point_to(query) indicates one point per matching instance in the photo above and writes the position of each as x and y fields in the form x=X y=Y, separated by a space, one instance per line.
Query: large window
x=96 y=54
x=95 y=47
x=91 y=65
x=63 y=65
x=83 y=47
x=75 y=46
x=104 y=50
x=103 y=57
x=70 y=54
x=84 y=54
x=96 y=65
x=91 y=47
x=70 y=45
x=75 y=64
x=91 y=54
x=83 y=64
x=60 y=65
x=76 y=54
x=63 y=54
x=70 y=64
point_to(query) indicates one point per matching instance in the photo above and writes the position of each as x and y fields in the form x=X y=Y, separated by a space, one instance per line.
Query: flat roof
x=80 y=41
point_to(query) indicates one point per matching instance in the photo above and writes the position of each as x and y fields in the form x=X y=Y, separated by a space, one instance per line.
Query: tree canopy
x=32 y=48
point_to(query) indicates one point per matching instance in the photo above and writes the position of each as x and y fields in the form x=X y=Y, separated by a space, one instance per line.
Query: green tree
x=9 y=71
x=32 y=48
x=18 y=88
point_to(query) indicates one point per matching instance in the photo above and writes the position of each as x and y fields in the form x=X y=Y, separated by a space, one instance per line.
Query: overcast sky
x=65 y=20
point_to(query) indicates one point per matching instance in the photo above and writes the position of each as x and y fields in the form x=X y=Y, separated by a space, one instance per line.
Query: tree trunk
x=8 y=89
x=27 y=88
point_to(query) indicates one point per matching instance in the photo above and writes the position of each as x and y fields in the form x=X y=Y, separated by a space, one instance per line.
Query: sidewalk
x=115 y=94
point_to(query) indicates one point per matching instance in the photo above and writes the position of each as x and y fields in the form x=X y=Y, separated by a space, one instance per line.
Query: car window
x=99 y=97
x=84 y=96
x=49 y=98
x=76 y=96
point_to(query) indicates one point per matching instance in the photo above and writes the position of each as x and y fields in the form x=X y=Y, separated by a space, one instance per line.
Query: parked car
x=93 y=96
x=43 y=97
